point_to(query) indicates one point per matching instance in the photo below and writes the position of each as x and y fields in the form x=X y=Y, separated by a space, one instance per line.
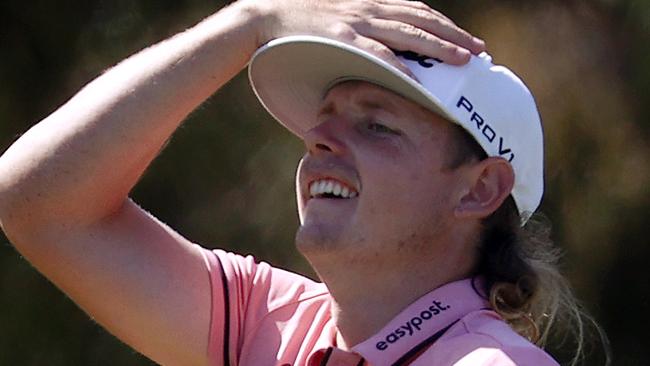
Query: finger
x=438 y=26
x=431 y=20
x=380 y=50
x=418 y=5
x=404 y=36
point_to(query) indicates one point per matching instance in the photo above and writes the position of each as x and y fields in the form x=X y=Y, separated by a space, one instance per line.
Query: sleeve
x=243 y=292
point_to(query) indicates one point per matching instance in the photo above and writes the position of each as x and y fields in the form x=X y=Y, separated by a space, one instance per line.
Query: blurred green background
x=226 y=178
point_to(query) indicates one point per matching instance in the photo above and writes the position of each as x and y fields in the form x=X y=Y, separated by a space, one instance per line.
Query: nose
x=326 y=137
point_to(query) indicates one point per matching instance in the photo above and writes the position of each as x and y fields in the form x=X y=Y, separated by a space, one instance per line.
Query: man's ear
x=489 y=183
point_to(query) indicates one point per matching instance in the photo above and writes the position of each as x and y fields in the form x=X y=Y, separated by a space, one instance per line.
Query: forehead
x=358 y=90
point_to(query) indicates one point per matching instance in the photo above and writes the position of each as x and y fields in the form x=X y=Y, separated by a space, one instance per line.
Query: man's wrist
x=256 y=16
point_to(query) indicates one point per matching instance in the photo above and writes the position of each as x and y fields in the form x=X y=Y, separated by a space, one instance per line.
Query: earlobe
x=489 y=183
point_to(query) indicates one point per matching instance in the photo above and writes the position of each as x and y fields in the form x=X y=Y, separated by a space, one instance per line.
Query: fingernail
x=462 y=52
x=479 y=42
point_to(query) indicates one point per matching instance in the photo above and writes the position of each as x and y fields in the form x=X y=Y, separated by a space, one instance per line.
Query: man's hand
x=373 y=25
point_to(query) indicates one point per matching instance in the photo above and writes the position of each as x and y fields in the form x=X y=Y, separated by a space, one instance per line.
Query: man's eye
x=379 y=128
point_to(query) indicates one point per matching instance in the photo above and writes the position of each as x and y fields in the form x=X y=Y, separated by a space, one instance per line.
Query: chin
x=314 y=239
x=326 y=243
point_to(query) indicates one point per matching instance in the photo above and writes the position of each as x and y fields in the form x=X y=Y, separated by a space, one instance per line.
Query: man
x=392 y=201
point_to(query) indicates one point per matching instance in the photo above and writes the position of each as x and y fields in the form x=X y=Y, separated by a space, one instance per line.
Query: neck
x=366 y=296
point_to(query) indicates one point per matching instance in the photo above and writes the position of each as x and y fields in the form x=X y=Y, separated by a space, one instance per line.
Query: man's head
x=291 y=75
x=417 y=195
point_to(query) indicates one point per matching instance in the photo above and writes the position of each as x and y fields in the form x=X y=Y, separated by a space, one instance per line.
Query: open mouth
x=330 y=188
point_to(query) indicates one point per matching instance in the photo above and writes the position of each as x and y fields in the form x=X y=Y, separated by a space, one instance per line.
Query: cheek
x=395 y=215
x=403 y=180
x=409 y=190
x=397 y=189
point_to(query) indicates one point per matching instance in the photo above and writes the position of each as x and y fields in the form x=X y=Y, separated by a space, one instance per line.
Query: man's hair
x=518 y=268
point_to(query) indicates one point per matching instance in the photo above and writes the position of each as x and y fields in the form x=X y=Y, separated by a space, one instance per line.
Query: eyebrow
x=366 y=104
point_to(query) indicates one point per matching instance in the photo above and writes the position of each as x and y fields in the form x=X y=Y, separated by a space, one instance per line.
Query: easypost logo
x=485 y=129
x=412 y=326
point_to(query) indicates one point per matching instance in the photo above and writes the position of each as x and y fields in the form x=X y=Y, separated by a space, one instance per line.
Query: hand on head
x=377 y=26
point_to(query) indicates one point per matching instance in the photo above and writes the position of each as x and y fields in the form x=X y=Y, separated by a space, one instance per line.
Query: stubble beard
x=322 y=244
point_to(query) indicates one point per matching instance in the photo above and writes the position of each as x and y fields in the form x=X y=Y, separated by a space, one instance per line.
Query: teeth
x=345 y=192
x=328 y=186
x=337 y=189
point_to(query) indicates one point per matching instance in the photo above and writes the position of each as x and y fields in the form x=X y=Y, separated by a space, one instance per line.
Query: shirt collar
x=421 y=323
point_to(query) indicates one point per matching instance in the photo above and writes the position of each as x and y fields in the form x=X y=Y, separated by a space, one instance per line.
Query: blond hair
x=519 y=270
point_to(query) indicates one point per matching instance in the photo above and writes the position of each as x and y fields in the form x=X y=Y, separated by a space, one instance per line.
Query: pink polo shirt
x=265 y=316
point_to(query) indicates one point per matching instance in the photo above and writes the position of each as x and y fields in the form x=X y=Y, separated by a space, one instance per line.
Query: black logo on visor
x=424 y=61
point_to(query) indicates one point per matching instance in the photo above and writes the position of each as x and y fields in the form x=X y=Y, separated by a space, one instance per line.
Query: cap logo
x=424 y=61
x=486 y=130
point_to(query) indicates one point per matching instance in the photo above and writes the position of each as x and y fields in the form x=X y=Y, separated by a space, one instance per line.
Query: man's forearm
x=78 y=164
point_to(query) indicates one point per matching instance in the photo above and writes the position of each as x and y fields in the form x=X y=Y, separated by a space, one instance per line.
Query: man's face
x=387 y=155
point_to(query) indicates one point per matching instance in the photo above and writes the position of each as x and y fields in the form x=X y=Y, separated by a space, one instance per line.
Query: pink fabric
x=274 y=318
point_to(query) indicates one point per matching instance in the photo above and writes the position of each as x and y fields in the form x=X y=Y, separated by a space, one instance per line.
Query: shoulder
x=482 y=338
x=250 y=297
x=259 y=279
